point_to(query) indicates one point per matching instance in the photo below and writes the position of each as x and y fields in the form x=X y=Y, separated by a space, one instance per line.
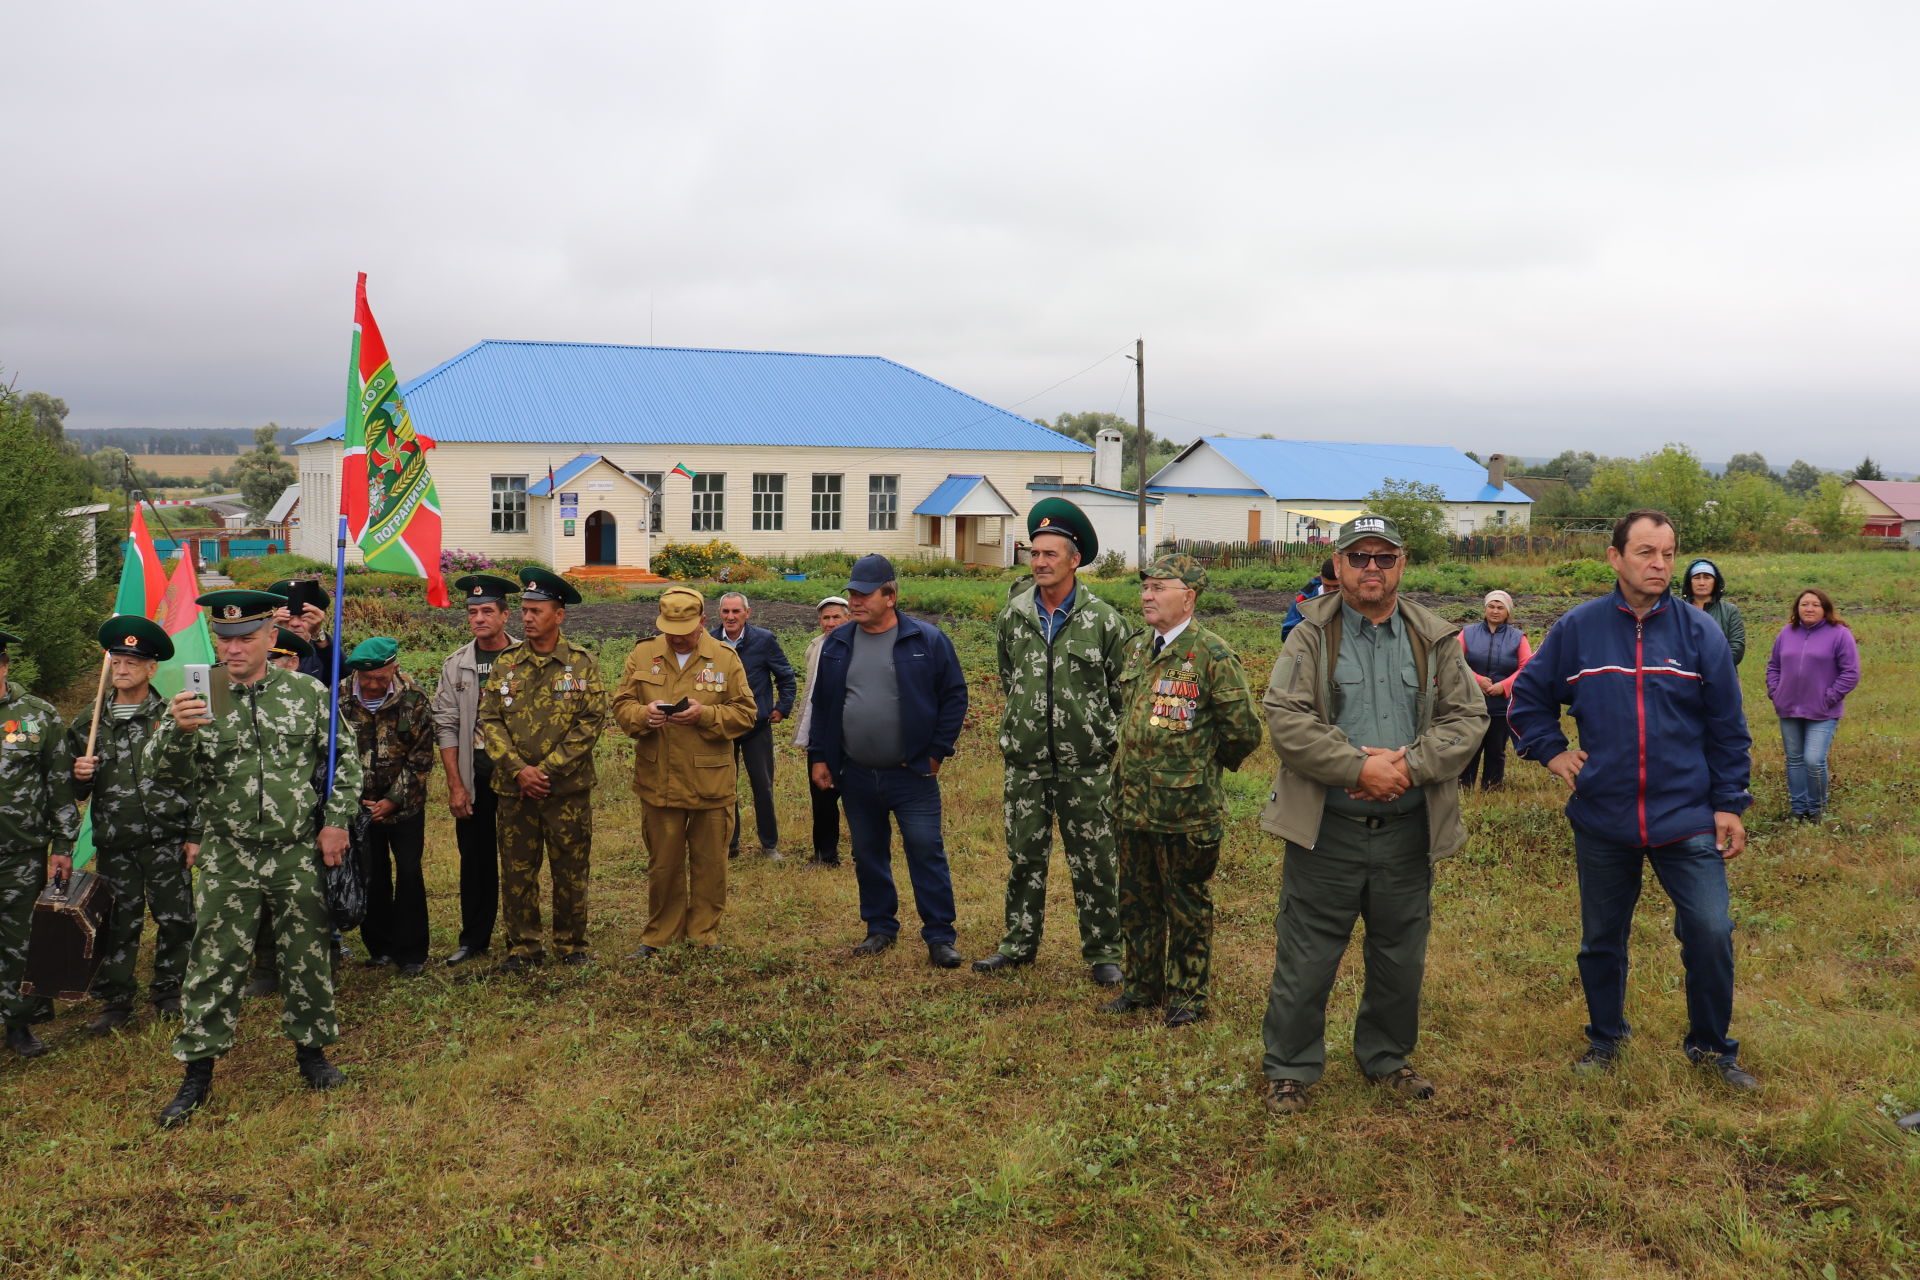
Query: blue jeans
x=1695 y=878
x=913 y=801
x=1806 y=743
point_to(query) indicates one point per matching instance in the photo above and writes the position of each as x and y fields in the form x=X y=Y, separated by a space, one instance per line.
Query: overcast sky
x=1496 y=224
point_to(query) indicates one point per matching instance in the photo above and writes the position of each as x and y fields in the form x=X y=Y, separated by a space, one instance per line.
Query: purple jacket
x=1811 y=671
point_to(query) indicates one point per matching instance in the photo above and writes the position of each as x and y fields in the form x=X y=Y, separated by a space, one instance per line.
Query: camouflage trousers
x=23 y=874
x=1084 y=809
x=1166 y=916
x=152 y=879
x=236 y=885
x=560 y=830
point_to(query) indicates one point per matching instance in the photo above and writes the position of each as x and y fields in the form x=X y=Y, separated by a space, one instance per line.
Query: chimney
x=1497 y=469
x=1106 y=458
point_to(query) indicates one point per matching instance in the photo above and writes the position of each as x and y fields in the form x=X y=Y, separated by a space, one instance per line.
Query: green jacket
x=251 y=771
x=544 y=710
x=129 y=810
x=1450 y=722
x=396 y=745
x=1166 y=775
x=1063 y=699
x=32 y=814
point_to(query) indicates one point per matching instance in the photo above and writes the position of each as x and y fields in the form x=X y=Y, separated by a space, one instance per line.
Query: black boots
x=315 y=1069
x=194 y=1090
x=111 y=1018
x=23 y=1042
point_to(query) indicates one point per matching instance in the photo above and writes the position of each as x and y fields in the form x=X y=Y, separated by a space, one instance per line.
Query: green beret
x=485 y=588
x=373 y=654
x=1058 y=516
x=133 y=636
x=1179 y=568
x=236 y=612
x=290 y=645
x=545 y=584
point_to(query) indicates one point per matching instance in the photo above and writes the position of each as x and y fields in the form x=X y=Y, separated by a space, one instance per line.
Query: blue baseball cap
x=870 y=573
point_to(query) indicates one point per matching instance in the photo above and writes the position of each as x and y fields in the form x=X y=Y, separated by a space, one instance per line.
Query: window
x=1500 y=518
x=1046 y=479
x=769 y=501
x=509 y=504
x=883 y=502
x=710 y=502
x=826 y=502
x=655 y=481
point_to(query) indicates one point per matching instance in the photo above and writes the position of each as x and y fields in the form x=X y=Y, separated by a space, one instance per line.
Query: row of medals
x=18 y=733
x=565 y=684
x=705 y=680
x=1174 y=702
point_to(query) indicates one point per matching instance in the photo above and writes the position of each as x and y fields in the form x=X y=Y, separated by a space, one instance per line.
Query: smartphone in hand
x=678 y=707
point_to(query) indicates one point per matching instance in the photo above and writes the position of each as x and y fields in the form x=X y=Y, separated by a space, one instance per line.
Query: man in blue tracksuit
x=1661 y=777
x=767 y=667
x=887 y=706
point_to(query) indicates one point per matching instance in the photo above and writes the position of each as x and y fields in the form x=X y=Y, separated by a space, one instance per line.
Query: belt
x=1375 y=821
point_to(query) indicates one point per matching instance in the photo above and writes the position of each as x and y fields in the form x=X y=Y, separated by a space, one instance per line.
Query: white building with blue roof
x=775 y=452
x=1229 y=489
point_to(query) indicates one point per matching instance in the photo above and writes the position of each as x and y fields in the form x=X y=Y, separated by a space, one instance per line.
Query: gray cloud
x=1495 y=223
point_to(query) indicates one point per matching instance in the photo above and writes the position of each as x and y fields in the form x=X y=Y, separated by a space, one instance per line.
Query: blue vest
x=1495 y=655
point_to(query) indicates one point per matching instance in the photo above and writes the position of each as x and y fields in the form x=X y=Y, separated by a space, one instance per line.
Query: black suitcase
x=69 y=936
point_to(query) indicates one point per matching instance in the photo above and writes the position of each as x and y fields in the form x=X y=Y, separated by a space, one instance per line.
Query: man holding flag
x=141 y=827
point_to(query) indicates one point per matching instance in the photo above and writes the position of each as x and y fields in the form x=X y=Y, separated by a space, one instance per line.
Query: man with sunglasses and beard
x=1373 y=713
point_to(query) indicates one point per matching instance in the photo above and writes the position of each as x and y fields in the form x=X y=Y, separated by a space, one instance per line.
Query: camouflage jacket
x=251 y=771
x=1063 y=699
x=32 y=812
x=544 y=710
x=396 y=745
x=130 y=810
x=1185 y=716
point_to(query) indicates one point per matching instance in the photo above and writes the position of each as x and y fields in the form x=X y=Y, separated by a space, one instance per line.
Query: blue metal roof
x=1055 y=487
x=1339 y=471
x=563 y=475
x=953 y=494
x=576 y=392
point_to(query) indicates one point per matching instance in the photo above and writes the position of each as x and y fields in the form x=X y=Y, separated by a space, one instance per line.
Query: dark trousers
x=1491 y=759
x=1384 y=876
x=479 y=845
x=1695 y=878
x=826 y=822
x=912 y=800
x=396 y=923
x=754 y=750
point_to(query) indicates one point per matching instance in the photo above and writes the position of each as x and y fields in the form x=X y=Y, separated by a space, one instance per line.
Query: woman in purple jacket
x=1813 y=667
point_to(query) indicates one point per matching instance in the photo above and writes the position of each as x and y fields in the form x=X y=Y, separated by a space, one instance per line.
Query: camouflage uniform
x=396 y=746
x=32 y=816
x=139 y=828
x=544 y=710
x=1186 y=714
x=251 y=772
x=1063 y=702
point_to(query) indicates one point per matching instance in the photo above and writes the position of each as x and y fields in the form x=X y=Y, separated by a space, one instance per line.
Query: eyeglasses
x=1380 y=559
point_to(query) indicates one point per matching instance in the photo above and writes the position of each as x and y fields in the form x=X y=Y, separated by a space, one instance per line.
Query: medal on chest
x=709 y=680
x=506 y=688
x=567 y=682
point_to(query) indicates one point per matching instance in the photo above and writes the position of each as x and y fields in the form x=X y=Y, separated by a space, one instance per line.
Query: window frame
x=709 y=506
x=500 y=506
x=883 y=503
x=769 y=502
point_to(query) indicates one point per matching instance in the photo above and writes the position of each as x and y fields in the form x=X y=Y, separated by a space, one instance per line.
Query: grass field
x=778 y=1109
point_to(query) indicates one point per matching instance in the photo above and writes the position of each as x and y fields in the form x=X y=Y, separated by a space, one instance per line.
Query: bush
x=686 y=560
x=1582 y=577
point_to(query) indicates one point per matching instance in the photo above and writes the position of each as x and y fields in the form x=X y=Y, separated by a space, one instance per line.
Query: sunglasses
x=1380 y=559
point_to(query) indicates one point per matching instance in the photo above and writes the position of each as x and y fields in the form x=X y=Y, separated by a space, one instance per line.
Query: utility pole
x=1140 y=440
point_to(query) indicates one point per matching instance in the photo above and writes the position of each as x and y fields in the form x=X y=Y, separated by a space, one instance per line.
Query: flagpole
x=339 y=601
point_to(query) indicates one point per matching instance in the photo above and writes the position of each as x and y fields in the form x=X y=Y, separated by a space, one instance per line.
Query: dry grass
x=197 y=466
x=779 y=1109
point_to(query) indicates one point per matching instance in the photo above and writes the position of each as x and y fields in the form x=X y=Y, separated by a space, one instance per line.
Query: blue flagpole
x=339 y=609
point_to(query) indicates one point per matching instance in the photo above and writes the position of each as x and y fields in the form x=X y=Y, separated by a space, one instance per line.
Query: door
x=1253 y=526
x=601 y=539
x=960 y=547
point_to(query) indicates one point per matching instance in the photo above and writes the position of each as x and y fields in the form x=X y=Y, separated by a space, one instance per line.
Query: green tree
x=1802 y=478
x=1421 y=512
x=49 y=413
x=1085 y=426
x=1577 y=468
x=45 y=595
x=1868 y=470
x=1749 y=464
x=1754 y=508
x=1831 y=510
x=263 y=475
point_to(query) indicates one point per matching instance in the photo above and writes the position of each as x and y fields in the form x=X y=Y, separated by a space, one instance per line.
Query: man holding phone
x=684 y=697
x=305 y=614
x=248 y=754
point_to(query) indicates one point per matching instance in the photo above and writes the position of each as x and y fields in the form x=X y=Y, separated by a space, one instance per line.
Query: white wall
x=462 y=474
x=1204 y=468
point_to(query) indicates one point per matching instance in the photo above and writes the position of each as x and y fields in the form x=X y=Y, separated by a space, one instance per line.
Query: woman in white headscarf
x=1496 y=650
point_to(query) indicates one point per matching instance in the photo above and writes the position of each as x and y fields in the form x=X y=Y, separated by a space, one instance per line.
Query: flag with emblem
x=185 y=623
x=386 y=493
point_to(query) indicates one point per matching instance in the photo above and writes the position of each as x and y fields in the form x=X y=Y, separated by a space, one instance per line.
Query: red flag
x=142 y=579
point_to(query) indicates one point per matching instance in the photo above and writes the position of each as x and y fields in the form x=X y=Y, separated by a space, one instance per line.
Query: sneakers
x=1284 y=1097
x=1406 y=1082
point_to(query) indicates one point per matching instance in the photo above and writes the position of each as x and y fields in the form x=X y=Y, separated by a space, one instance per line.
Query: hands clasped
x=1384 y=776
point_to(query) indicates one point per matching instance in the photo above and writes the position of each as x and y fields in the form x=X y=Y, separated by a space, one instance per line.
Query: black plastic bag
x=346 y=884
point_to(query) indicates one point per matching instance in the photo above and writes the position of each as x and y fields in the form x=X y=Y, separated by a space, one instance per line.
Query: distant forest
x=137 y=440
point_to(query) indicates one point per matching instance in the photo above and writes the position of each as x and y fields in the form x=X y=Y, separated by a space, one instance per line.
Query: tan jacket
x=1449 y=724
x=684 y=766
x=456 y=706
